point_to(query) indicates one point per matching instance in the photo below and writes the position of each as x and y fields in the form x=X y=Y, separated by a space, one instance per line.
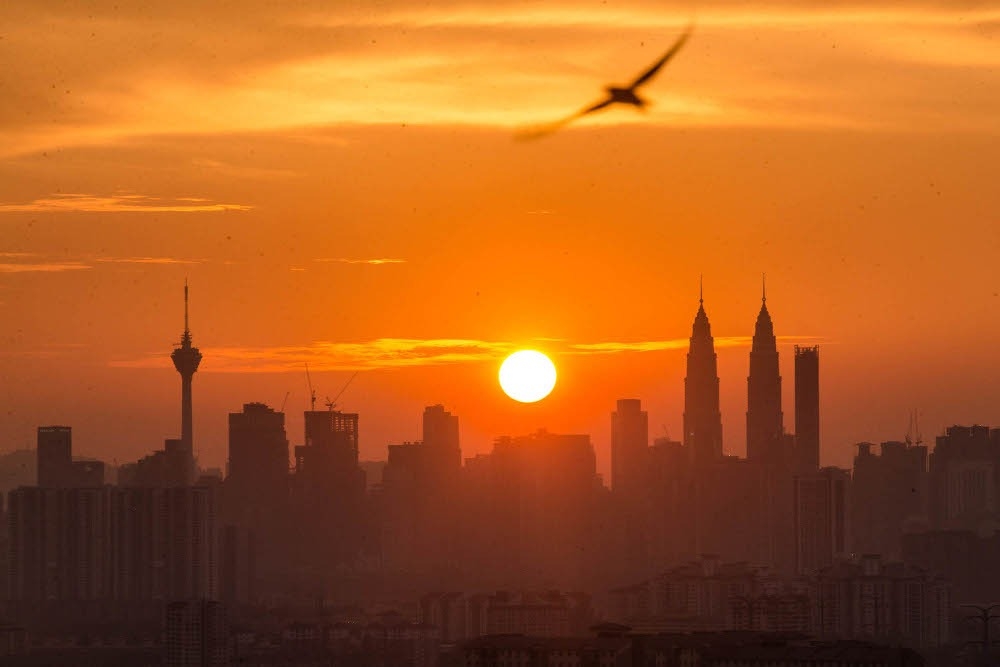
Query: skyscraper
x=765 y=431
x=441 y=435
x=821 y=518
x=258 y=456
x=807 y=408
x=186 y=359
x=702 y=418
x=55 y=456
x=629 y=447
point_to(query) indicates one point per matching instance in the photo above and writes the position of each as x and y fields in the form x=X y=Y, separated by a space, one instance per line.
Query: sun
x=527 y=376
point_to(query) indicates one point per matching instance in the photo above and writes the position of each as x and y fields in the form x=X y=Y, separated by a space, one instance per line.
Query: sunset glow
x=340 y=185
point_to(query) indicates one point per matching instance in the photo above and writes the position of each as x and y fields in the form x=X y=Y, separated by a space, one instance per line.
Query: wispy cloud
x=131 y=203
x=387 y=353
x=346 y=260
x=42 y=267
x=674 y=344
x=147 y=260
x=330 y=356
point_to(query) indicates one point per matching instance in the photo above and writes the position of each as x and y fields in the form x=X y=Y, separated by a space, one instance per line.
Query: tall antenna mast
x=186 y=329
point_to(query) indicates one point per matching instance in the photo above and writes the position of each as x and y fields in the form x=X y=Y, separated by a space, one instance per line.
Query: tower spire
x=701 y=289
x=763 y=288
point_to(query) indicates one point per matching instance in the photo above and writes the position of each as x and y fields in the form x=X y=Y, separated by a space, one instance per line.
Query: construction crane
x=330 y=405
x=283 y=402
x=312 y=392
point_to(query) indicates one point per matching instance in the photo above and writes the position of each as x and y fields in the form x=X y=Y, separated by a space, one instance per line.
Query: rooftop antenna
x=312 y=392
x=916 y=426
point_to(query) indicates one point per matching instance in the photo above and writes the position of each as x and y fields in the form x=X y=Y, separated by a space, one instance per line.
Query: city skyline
x=341 y=186
x=376 y=451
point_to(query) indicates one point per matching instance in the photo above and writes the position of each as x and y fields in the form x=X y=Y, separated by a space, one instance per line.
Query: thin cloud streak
x=130 y=203
x=346 y=260
x=147 y=260
x=47 y=267
x=389 y=353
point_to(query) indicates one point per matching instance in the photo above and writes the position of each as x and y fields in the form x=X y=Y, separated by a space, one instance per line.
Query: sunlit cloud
x=42 y=267
x=673 y=344
x=347 y=260
x=389 y=353
x=131 y=203
x=147 y=260
x=403 y=62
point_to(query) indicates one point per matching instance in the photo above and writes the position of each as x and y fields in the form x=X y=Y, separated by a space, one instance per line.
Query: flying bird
x=615 y=94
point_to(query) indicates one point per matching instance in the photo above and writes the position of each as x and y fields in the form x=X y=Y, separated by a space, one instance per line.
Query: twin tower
x=767 y=441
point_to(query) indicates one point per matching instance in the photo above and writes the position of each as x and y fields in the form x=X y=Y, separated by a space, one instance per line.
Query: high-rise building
x=128 y=544
x=822 y=531
x=258 y=457
x=55 y=456
x=964 y=486
x=629 y=448
x=888 y=495
x=186 y=359
x=327 y=475
x=807 y=408
x=702 y=417
x=889 y=602
x=56 y=467
x=765 y=430
x=441 y=434
x=196 y=634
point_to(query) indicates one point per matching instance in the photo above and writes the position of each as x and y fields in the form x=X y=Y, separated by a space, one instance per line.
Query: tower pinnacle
x=186 y=359
x=702 y=419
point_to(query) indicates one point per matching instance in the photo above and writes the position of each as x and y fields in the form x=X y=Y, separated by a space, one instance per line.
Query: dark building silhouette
x=74 y=548
x=327 y=476
x=533 y=509
x=186 y=359
x=440 y=431
x=765 y=430
x=418 y=505
x=884 y=601
x=55 y=456
x=56 y=467
x=965 y=478
x=702 y=418
x=167 y=467
x=238 y=566
x=822 y=530
x=888 y=495
x=258 y=460
x=196 y=634
x=807 y=408
x=629 y=448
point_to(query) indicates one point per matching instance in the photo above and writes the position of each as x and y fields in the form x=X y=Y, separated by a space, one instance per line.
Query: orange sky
x=340 y=184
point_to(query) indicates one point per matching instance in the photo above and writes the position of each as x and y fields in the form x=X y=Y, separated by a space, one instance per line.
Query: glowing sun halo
x=527 y=376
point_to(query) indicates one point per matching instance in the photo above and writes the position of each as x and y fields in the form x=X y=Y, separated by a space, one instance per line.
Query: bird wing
x=671 y=52
x=536 y=131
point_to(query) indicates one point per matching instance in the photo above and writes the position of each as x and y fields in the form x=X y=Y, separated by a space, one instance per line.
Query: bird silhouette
x=615 y=94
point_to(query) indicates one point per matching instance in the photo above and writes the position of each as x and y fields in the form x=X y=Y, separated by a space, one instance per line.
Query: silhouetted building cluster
x=612 y=645
x=797 y=548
